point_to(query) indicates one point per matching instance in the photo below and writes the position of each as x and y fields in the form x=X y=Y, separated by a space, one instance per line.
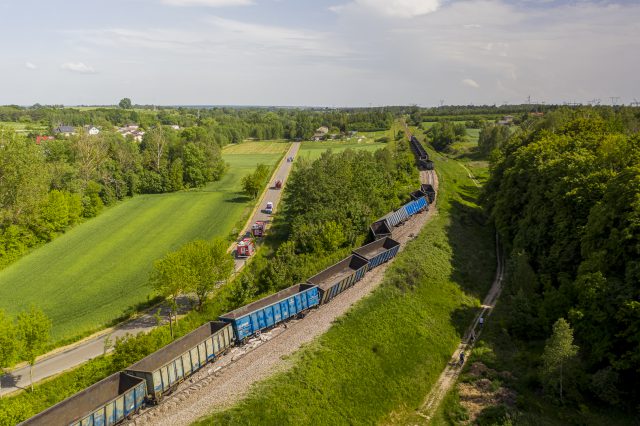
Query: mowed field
x=92 y=274
x=313 y=150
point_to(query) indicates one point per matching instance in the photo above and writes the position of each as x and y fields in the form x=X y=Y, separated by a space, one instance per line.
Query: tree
x=443 y=134
x=8 y=343
x=34 y=332
x=253 y=183
x=492 y=136
x=167 y=279
x=558 y=351
x=209 y=264
x=125 y=103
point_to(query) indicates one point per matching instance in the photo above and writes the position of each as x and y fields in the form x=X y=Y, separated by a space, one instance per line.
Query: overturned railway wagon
x=429 y=191
x=339 y=277
x=271 y=310
x=164 y=369
x=378 y=252
x=384 y=227
x=105 y=403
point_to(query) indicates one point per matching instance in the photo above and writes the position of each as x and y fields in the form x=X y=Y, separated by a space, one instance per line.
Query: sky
x=319 y=53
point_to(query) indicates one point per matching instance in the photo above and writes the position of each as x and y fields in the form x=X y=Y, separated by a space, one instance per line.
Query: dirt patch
x=484 y=392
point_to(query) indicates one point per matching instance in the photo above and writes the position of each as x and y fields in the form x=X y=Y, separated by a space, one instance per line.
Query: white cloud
x=391 y=8
x=471 y=83
x=208 y=3
x=30 y=65
x=79 y=67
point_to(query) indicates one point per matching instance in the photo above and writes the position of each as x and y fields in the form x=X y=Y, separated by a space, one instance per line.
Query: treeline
x=44 y=189
x=329 y=205
x=225 y=125
x=564 y=194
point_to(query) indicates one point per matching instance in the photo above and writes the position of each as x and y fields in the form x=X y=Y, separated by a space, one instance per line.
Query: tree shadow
x=473 y=258
x=240 y=199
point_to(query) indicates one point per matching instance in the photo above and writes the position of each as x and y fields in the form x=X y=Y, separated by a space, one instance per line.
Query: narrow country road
x=271 y=194
x=451 y=372
x=67 y=358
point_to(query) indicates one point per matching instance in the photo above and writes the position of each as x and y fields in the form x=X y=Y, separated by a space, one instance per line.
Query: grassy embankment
x=378 y=362
x=98 y=271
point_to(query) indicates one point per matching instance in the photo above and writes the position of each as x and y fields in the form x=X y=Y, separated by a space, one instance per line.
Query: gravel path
x=449 y=375
x=228 y=380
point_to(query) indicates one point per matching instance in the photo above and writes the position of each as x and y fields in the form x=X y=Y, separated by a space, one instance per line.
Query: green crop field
x=95 y=272
x=313 y=150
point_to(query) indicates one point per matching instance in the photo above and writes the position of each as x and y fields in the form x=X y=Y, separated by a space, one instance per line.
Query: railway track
x=261 y=347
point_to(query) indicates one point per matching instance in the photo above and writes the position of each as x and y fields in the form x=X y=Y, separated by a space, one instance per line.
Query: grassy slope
x=380 y=359
x=95 y=272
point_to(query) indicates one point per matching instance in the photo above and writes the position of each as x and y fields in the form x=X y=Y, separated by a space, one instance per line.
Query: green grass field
x=22 y=127
x=377 y=363
x=98 y=270
x=313 y=150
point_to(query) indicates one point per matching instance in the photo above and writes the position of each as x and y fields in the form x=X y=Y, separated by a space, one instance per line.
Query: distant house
x=175 y=127
x=506 y=120
x=65 y=130
x=92 y=130
x=40 y=139
x=321 y=133
x=536 y=114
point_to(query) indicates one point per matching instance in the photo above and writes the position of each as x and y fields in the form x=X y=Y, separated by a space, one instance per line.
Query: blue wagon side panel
x=271 y=310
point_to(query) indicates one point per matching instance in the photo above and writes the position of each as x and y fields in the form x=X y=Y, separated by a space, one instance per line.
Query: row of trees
x=564 y=194
x=23 y=339
x=226 y=125
x=197 y=268
x=47 y=188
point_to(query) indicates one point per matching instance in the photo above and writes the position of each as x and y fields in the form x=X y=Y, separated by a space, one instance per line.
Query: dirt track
x=228 y=380
x=451 y=372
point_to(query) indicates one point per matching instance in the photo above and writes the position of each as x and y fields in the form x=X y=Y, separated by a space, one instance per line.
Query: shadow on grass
x=473 y=257
x=240 y=199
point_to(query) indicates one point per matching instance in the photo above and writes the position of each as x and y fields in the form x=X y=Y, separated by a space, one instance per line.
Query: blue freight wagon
x=378 y=252
x=339 y=277
x=271 y=310
x=164 y=369
x=105 y=403
x=415 y=206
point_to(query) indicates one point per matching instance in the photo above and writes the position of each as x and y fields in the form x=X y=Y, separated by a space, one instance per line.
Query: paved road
x=77 y=354
x=271 y=194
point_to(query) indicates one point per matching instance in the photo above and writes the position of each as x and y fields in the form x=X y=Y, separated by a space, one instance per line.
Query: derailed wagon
x=271 y=310
x=378 y=252
x=384 y=227
x=164 y=369
x=105 y=403
x=429 y=191
x=339 y=277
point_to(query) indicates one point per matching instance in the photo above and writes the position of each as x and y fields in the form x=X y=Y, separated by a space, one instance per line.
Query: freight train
x=121 y=395
x=423 y=156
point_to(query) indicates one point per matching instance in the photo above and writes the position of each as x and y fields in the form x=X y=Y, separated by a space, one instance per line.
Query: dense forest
x=47 y=187
x=564 y=193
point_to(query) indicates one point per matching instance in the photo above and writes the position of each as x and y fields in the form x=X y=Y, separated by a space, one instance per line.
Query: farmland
x=98 y=270
x=313 y=150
